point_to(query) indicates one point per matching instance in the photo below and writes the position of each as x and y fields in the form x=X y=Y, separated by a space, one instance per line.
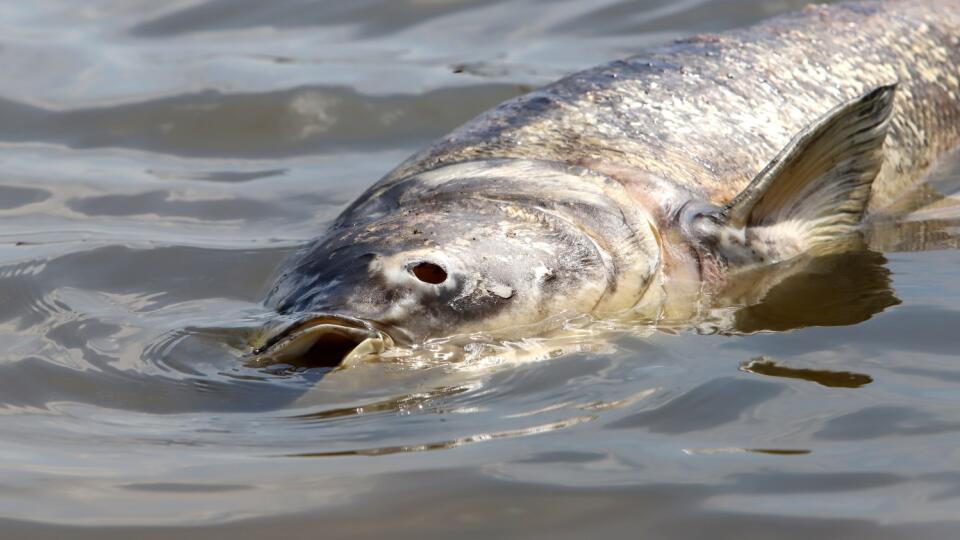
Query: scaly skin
x=710 y=111
x=599 y=194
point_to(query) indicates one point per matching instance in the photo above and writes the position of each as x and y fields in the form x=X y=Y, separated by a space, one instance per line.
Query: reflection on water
x=161 y=159
x=836 y=290
x=832 y=379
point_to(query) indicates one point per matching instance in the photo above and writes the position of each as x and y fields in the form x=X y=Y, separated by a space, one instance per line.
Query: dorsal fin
x=813 y=193
x=824 y=174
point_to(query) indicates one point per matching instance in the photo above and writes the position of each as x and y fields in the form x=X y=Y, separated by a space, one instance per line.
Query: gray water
x=159 y=159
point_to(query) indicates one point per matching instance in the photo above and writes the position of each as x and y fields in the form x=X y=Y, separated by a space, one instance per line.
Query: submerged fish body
x=641 y=188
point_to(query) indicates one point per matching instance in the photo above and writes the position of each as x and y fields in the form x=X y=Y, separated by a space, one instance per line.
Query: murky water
x=159 y=159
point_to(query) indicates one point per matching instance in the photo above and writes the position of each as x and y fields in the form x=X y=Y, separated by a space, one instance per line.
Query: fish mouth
x=324 y=340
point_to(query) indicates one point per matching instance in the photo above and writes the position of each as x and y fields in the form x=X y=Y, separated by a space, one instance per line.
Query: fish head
x=504 y=246
x=493 y=247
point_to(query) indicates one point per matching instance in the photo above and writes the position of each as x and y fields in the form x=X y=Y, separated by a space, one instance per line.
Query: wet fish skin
x=710 y=111
x=643 y=186
x=512 y=255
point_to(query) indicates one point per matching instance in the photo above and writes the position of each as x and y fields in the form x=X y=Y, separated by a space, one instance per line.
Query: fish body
x=640 y=188
x=710 y=111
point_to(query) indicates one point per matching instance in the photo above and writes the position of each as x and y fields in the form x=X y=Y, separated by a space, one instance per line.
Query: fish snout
x=323 y=340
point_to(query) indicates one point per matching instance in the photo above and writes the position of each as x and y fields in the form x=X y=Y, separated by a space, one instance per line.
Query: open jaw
x=321 y=340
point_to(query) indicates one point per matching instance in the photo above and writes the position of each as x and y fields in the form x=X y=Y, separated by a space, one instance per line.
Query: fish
x=684 y=181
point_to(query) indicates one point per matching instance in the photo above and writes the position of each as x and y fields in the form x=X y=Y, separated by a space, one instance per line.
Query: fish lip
x=304 y=323
x=295 y=339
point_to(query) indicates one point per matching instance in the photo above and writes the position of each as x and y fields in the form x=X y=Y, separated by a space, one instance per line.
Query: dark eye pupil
x=429 y=273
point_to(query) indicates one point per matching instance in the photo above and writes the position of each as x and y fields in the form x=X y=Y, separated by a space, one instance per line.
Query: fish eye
x=429 y=272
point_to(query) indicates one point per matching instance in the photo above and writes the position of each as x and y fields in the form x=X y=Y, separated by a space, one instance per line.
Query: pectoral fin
x=812 y=194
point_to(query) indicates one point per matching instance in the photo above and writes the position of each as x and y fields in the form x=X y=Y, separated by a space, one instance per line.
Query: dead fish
x=646 y=188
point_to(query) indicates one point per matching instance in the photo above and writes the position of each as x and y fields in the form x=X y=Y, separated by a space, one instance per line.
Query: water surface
x=159 y=160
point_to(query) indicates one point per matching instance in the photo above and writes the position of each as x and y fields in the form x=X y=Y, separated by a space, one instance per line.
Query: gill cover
x=595 y=205
x=485 y=245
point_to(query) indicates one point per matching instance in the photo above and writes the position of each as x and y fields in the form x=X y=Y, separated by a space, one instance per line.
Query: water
x=160 y=159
